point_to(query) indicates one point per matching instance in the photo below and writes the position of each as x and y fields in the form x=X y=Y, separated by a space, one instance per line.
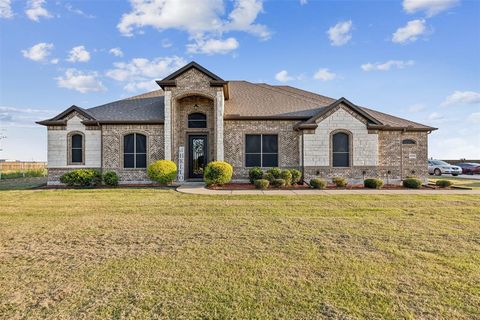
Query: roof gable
x=59 y=119
x=169 y=80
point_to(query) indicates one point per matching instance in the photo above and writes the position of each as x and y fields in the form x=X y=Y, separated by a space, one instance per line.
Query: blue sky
x=418 y=59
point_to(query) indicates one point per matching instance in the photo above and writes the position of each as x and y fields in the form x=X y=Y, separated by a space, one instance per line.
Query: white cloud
x=283 y=76
x=462 y=97
x=80 y=81
x=410 y=32
x=431 y=7
x=35 y=10
x=324 y=75
x=435 y=116
x=303 y=2
x=6 y=9
x=339 y=34
x=446 y=147
x=21 y=117
x=474 y=118
x=38 y=52
x=78 y=54
x=117 y=52
x=385 y=66
x=140 y=73
x=415 y=108
x=77 y=11
x=54 y=61
x=213 y=46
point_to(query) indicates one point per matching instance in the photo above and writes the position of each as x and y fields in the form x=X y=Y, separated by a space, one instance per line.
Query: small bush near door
x=110 y=178
x=412 y=183
x=318 y=183
x=218 y=173
x=82 y=178
x=373 y=183
x=254 y=174
x=162 y=171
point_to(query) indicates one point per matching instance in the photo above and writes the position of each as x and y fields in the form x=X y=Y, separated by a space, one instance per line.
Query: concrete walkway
x=199 y=188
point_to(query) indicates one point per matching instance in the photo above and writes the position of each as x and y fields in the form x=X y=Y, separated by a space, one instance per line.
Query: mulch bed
x=248 y=186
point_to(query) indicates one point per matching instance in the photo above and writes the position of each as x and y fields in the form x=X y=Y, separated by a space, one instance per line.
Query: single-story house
x=196 y=117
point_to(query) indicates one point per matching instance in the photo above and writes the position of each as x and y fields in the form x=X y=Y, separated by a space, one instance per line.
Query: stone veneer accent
x=112 y=140
x=234 y=143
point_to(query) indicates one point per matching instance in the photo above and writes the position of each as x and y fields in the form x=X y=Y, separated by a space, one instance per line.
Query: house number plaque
x=181 y=164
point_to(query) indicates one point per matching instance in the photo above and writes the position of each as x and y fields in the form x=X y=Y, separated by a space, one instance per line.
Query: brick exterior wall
x=112 y=142
x=234 y=143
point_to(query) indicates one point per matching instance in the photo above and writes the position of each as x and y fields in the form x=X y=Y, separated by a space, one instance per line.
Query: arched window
x=197 y=120
x=76 y=148
x=135 y=151
x=341 y=150
x=408 y=141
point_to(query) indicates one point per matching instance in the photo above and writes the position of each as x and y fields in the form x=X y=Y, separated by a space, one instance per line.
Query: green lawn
x=152 y=253
x=460 y=182
x=22 y=183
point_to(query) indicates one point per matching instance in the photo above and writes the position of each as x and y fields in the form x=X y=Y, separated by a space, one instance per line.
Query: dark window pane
x=77 y=156
x=270 y=160
x=270 y=143
x=141 y=160
x=197 y=116
x=76 y=141
x=341 y=160
x=408 y=141
x=141 y=143
x=197 y=124
x=253 y=143
x=252 y=160
x=340 y=142
x=128 y=161
x=128 y=143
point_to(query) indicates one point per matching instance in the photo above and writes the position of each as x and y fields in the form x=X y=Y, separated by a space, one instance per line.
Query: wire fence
x=9 y=170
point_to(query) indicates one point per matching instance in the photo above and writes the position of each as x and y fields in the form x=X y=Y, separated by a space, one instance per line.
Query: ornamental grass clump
x=261 y=184
x=317 y=183
x=373 y=183
x=254 y=174
x=218 y=173
x=82 y=178
x=340 y=182
x=162 y=171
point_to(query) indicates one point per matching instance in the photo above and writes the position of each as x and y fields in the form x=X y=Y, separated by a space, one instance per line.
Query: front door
x=197 y=155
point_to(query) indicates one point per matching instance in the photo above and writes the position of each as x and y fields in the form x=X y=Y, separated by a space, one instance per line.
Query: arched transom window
x=341 y=150
x=135 y=151
x=197 y=120
x=408 y=141
x=76 y=146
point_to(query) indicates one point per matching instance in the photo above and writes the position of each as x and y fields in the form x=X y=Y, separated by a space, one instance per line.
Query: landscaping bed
x=248 y=186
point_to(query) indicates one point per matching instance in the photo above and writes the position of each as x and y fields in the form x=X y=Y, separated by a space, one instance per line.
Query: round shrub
x=261 y=184
x=81 y=178
x=318 y=183
x=275 y=172
x=340 y=182
x=373 y=183
x=255 y=173
x=218 y=173
x=110 y=178
x=412 y=183
x=162 y=171
x=278 y=183
x=287 y=176
x=296 y=176
x=443 y=183
x=268 y=176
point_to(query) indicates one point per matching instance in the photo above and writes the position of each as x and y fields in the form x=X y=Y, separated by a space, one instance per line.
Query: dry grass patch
x=150 y=253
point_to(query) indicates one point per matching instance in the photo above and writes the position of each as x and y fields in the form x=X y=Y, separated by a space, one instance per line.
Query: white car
x=439 y=167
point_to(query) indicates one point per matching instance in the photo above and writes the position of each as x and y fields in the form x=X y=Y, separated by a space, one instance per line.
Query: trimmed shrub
x=287 y=176
x=412 y=183
x=275 y=172
x=254 y=174
x=218 y=173
x=278 y=183
x=261 y=184
x=340 y=182
x=318 y=183
x=443 y=183
x=296 y=176
x=162 y=171
x=373 y=183
x=81 y=178
x=268 y=176
x=110 y=178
